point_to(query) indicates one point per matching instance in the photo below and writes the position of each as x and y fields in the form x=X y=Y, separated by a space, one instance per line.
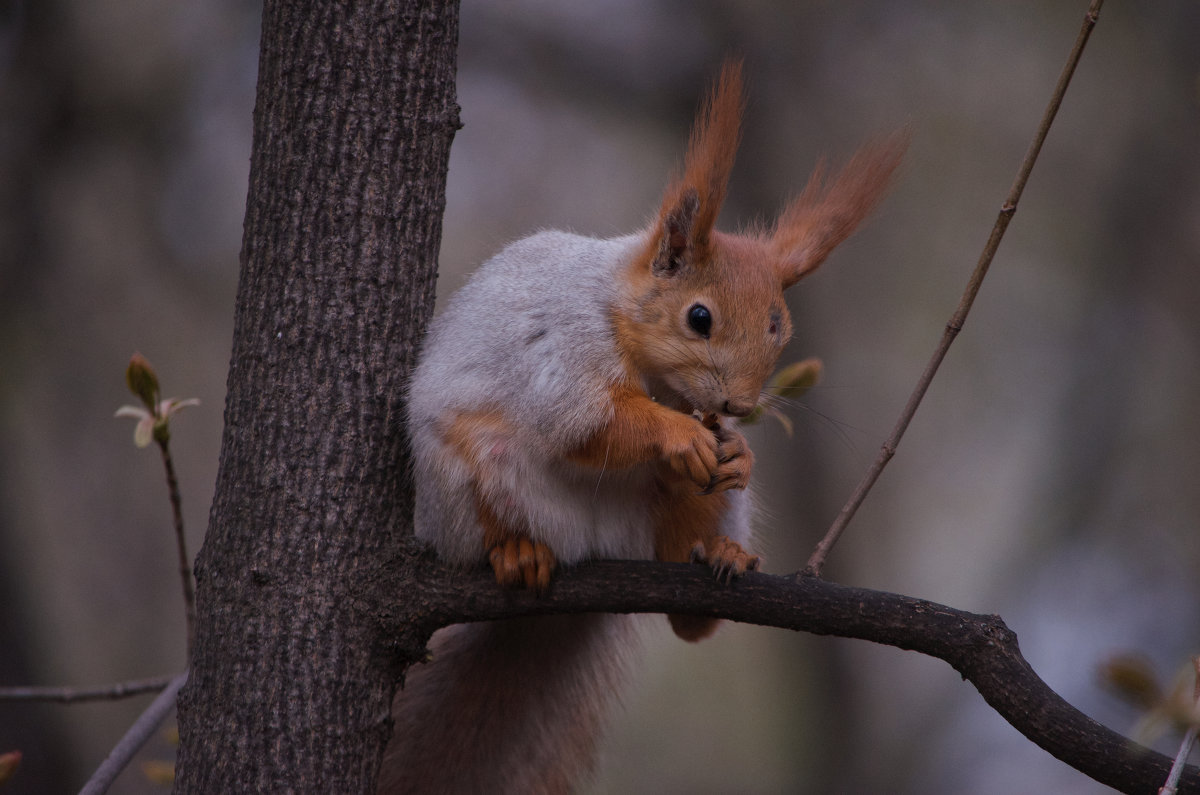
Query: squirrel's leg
x=641 y=431
x=516 y=558
x=687 y=528
x=481 y=439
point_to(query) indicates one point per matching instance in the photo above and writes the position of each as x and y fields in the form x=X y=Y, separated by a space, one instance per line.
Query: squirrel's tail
x=507 y=707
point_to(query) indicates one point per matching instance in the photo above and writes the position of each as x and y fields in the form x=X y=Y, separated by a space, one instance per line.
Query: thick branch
x=979 y=647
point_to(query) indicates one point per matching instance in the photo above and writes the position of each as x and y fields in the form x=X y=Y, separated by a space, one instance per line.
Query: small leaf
x=789 y=382
x=153 y=424
x=175 y=405
x=8 y=765
x=796 y=379
x=142 y=380
x=754 y=416
x=1181 y=704
x=1132 y=678
x=1196 y=679
x=143 y=434
x=131 y=411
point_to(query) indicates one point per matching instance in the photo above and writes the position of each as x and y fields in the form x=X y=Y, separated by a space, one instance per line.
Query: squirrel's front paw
x=726 y=557
x=734 y=462
x=518 y=561
x=692 y=450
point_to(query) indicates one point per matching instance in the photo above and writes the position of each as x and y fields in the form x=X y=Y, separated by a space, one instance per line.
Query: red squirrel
x=577 y=399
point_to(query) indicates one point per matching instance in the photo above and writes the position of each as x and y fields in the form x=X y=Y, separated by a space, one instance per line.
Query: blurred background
x=1051 y=475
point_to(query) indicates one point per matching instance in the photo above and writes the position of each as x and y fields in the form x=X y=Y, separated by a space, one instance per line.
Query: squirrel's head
x=703 y=313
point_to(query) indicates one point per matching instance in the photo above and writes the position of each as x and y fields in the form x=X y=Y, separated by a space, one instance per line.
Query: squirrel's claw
x=726 y=558
x=520 y=561
x=691 y=450
x=734 y=462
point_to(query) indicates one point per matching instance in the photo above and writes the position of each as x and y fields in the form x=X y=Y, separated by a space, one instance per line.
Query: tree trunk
x=355 y=113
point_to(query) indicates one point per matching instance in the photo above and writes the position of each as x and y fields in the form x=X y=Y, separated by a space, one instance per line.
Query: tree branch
x=1007 y=210
x=185 y=566
x=135 y=738
x=69 y=695
x=979 y=647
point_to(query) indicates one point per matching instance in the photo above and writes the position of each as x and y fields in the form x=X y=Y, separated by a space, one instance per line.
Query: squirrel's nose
x=738 y=407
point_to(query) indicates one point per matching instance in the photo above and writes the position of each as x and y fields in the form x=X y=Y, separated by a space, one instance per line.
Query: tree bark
x=355 y=113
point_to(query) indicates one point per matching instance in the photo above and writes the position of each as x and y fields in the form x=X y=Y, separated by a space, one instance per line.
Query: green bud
x=142 y=381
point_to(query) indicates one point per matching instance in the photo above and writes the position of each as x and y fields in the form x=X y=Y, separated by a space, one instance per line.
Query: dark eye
x=700 y=319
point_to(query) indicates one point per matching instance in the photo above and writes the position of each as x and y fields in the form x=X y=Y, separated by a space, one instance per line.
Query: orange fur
x=516 y=558
x=474 y=436
x=478 y=438
x=682 y=519
x=710 y=154
x=724 y=373
x=642 y=431
x=632 y=436
x=686 y=529
x=693 y=201
x=828 y=210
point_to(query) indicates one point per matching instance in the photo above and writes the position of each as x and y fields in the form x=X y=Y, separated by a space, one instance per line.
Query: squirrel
x=576 y=399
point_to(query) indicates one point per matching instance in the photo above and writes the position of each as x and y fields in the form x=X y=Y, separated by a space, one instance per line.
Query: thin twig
x=817 y=560
x=134 y=739
x=1189 y=739
x=185 y=567
x=1185 y=748
x=68 y=695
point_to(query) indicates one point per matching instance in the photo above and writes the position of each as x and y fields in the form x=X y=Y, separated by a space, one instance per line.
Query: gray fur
x=531 y=335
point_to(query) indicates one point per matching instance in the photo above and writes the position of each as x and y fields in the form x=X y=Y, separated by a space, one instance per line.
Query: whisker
x=842 y=430
x=603 y=469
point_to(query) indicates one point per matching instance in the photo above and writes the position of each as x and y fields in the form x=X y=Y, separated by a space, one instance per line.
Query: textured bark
x=352 y=126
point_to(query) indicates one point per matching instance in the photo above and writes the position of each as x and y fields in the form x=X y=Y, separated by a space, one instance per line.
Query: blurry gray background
x=1051 y=475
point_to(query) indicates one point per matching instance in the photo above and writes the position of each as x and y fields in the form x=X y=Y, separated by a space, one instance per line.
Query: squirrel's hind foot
x=726 y=557
x=520 y=561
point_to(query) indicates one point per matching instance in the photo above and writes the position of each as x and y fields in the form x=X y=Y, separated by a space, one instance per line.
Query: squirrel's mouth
x=686 y=398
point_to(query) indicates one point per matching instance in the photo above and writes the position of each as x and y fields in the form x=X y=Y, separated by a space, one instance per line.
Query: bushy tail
x=507 y=707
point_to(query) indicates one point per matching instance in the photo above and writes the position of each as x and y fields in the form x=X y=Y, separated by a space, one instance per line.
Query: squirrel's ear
x=828 y=210
x=692 y=202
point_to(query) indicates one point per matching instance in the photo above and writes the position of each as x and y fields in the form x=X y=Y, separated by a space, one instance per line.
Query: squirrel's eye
x=700 y=319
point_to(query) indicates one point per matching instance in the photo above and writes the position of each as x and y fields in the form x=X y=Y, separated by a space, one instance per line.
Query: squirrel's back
x=522 y=329
x=504 y=361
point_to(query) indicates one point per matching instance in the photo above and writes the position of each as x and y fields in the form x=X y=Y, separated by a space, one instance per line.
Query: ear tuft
x=692 y=202
x=676 y=240
x=829 y=210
